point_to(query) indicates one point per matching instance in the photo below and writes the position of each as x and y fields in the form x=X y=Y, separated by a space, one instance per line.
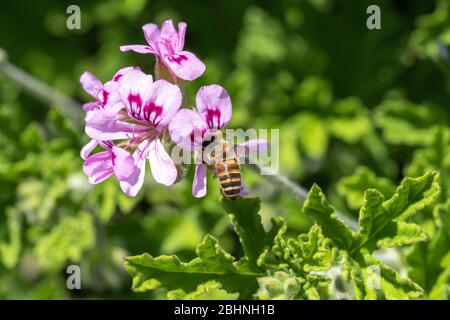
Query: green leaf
x=106 y=196
x=300 y=259
x=210 y=290
x=371 y=278
x=68 y=240
x=292 y=161
x=352 y=187
x=403 y=234
x=214 y=272
x=314 y=93
x=279 y=286
x=185 y=234
x=406 y=123
x=432 y=29
x=393 y=286
x=309 y=252
x=212 y=264
x=435 y=156
x=10 y=249
x=317 y=207
x=32 y=137
x=441 y=289
x=38 y=198
x=382 y=223
x=350 y=121
x=364 y=288
x=314 y=136
x=427 y=264
x=261 y=42
x=243 y=213
x=347 y=120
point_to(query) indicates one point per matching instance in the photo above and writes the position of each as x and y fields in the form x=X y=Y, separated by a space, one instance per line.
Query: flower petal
x=163 y=168
x=186 y=129
x=244 y=190
x=89 y=107
x=214 y=105
x=98 y=167
x=199 y=183
x=185 y=65
x=123 y=163
x=110 y=98
x=168 y=30
x=251 y=148
x=134 y=89
x=137 y=48
x=162 y=103
x=87 y=149
x=90 y=84
x=181 y=35
x=134 y=182
x=101 y=126
x=151 y=33
x=119 y=74
x=169 y=36
x=148 y=101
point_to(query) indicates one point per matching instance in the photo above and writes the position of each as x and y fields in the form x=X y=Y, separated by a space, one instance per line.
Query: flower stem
x=41 y=91
x=162 y=72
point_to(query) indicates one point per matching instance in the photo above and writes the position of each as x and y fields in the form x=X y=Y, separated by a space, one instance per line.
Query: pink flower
x=106 y=96
x=146 y=107
x=102 y=165
x=190 y=128
x=167 y=45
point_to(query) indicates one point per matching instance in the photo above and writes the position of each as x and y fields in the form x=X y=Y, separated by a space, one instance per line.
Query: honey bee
x=222 y=158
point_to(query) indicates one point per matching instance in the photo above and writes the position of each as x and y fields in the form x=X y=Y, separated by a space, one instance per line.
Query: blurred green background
x=356 y=108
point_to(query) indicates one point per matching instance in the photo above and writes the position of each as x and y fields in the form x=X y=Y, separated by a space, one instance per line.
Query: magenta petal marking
x=135 y=102
x=152 y=112
x=197 y=136
x=149 y=112
x=210 y=115
x=102 y=97
x=107 y=145
x=177 y=58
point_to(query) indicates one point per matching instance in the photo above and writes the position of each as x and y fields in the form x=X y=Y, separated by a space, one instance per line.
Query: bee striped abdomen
x=229 y=175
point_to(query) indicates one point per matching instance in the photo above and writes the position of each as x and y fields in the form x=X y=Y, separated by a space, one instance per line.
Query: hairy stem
x=297 y=191
x=41 y=91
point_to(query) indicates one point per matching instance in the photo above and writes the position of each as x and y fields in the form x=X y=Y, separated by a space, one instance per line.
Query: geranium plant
x=135 y=117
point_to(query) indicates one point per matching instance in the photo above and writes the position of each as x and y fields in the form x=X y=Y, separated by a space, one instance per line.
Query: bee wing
x=250 y=148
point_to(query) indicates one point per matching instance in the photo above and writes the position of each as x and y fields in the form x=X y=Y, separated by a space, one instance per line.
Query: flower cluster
x=133 y=116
